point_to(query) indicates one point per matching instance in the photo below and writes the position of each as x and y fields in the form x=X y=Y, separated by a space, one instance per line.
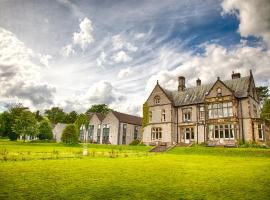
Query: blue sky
x=77 y=53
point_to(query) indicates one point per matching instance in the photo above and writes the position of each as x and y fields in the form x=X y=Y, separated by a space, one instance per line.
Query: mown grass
x=182 y=173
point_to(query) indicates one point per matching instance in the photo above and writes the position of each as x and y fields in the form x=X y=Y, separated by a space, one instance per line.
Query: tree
x=71 y=117
x=145 y=119
x=55 y=115
x=45 y=130
x=13 y=112
x=25 y=124
x=38 y=117
x=5 y=124
x=262 y=92
x=99 y=108
x=70 y=134
x=82 y=119
x=265 y=112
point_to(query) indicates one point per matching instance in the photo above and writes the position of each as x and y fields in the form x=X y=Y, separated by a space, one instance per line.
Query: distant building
x=58 y=130
x=114 y=128
x=220 y=113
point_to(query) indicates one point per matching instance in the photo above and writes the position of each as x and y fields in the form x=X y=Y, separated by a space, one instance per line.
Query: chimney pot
x=198 y=82
x=181 y=83
x=236 y=75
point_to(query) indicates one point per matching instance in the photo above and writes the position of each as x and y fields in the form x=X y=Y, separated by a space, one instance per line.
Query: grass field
x=56 y=171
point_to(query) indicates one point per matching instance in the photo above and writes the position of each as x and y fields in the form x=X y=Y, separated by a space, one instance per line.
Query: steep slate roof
x=130 y=119
x=197 y=94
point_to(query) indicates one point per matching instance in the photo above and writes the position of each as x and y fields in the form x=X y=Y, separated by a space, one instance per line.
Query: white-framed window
x=201 y=112
x=163 y=115
x=136 y=130
x=156 y=133
x=220 y=110
x=261 y=131
x=222 y=131
x=156 y=99
x=187 y=114
x=189 y=133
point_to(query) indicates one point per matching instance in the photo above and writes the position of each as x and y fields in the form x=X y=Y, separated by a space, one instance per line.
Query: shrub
x=251 y=144
x=135 y=142
x=45 y=130
x=70 y=134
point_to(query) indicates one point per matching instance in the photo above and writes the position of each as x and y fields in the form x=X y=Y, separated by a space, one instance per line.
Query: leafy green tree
x=99 y=108
x=82 y=119
x=263 y=93
x=5 y=124
x=38 y=116
x=71 y=117
x=265 y=112
x=25 y=124
x=70 y=134
x=45 y=130
x=55 y=115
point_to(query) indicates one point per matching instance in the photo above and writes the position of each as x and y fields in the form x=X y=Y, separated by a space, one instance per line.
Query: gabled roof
x=99 y=116
x=194 y=95
x=125 y=118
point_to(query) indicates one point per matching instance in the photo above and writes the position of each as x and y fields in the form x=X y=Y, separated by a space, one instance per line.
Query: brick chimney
x=236 y=75
x=181 y=83
x=198 y=82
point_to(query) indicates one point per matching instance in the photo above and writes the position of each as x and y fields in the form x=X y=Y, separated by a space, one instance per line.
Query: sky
x=76 y=53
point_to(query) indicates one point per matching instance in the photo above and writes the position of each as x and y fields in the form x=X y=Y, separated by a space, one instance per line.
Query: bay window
x=220 y=110
x=156 y=133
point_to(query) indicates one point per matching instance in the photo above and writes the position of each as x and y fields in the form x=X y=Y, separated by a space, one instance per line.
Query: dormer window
x=156 y=100
x=219 y=92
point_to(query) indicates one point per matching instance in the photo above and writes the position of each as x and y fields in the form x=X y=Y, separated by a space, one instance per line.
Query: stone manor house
x=220 y=113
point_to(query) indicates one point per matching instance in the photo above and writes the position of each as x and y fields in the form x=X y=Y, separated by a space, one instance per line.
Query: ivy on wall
x=145 y=120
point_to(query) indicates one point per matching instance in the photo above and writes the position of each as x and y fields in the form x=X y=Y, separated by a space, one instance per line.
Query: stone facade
x=221 y=113
x=114 y=128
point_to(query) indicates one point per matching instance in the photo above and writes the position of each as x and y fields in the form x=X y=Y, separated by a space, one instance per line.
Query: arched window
x=156 y=100
x=163 y=115
x=219 y=91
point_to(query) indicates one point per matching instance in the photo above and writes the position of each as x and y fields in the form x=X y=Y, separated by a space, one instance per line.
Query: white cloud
x=118 y=43
x=101 y=59
x=254 y=16
x=217 y=61
x=67 y=50
x=85 y=36
x=139 y=35
x=20 y=72
x=121 y=57
x=100 y=92
x=125 y=72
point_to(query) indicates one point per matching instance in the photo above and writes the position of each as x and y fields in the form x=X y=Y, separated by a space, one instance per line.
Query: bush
x=135 y=142
x=251 y=144
x=45 y=130
x=70 y=134
x=13 y=136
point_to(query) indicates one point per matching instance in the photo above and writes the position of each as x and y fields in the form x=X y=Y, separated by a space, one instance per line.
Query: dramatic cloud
x=85 y=36
x=118 y=43
x=101 y=59
x=100 y=92
x=19 y=72
x=121 y=56
x=125 y=72
x=254 y=16
x=217 y=61
x=67 y=50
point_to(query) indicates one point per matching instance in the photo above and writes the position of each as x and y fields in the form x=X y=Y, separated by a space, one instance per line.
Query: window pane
x=226 y=133
x=221 y=134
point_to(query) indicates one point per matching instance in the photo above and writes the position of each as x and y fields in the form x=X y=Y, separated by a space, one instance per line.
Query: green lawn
x=56 y=171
